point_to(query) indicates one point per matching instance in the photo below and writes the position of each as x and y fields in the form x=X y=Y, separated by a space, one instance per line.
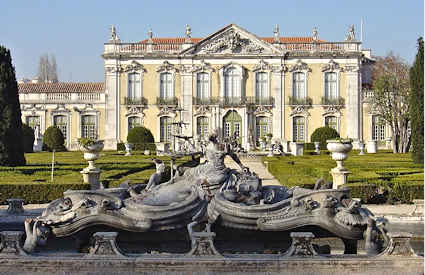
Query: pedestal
x=38 y=145
x=203 y=245
x=301 y=245
x=399 y=245
x=10 y=243
x=91 y=176
x=15 y=206
x=105 y=244
x=339 y=177
x=372 y=147
x=297 y=148
x=316 y=148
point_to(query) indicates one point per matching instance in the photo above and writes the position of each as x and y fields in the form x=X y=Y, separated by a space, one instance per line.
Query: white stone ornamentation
x=300 y=66
x=339 y=150
x=331 y=66
x=231 y=42
x=262 y=66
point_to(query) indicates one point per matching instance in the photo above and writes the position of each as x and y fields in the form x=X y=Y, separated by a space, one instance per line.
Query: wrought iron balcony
x=205 y=101
x=339 y=101
x=232 y=101
x=135 y=101
x=305 y=101
x=173 y=101
x=264 y=101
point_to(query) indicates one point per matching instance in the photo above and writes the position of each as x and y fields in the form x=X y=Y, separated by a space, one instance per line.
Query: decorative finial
x=315 y=34
x=188 y=31
x=276 y=33
x=114 y=35
x=150 y=35
x=351 y=36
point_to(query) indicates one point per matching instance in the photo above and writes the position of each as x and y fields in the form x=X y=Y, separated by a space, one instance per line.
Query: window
x=88 y=126
x=331 y=91
x=202 y=85
x=202 y=126
x=232 y=83
x=134 y=121
x=166 y=85
x=227 y=129
x=262 y=127
x=134 y=86
x=378 y=128
x=60 y=121
x=33 y=121
x=165 y=129
x=298 y=128
x=332 y=122
x=261 y=91
x=298 y=86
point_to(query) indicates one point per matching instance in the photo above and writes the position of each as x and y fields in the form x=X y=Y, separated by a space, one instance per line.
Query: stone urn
x=128 y=148
x=91 y=174
x=361 y=147
x=316 y=147
x=263 y=144
x=339 y=149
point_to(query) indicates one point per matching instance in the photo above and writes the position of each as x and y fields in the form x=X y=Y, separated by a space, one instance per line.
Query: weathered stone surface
x=301 y=245
x=399 y=245
x=15 y=206
x=202 y=244
x=105 y=244
x=10 y=243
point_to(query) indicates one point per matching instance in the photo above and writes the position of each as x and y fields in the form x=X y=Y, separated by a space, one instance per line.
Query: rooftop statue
x=209 y=193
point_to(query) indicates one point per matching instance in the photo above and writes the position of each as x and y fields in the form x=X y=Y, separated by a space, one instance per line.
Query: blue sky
x=74 y=31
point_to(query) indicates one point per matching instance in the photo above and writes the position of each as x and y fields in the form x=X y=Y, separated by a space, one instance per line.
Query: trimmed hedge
x=140 y=135
x=28 y=138
x=138 y=147
x=322 y=134
x=53 y=139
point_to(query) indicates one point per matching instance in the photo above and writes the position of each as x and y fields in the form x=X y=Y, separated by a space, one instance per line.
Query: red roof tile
x=62 y=87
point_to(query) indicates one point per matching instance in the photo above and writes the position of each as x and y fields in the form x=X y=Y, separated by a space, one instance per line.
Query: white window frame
x=80 y=121
x=207 y=92
x=130 y=92
x=337 y=121
x=266 y=82
x=240 y=88
x=169 y=91
x=305 y=127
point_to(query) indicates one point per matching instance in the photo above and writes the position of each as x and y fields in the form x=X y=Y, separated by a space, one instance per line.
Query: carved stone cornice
x=114 y=69
x=231 y=42
x=87 y=108
x=135 y=110
x=300 y=66
x=166 y=67
x=262 y=111
x=279 y=68
x=203 y=67
x=331 y=110
x=167 y=111
x=331 y=66
x=134 y=66
x=202 y=110
x=300 y=110
x=352 y=68
x=262 y=66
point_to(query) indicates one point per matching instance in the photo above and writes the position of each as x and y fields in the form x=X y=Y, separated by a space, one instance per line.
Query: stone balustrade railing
x=136 y=48
x=53 y=98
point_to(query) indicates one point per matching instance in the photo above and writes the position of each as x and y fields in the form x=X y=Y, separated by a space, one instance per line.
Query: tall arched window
x=232 y=83
x=202 y=126
x=331 y=91
x=165 y=129
x=262 y=127
x=378 y=128
x=298 y=86
x=134 y=121
x=88 y=126
x=166 y=86
x=202 y=86
x=33 y=121
x=261 y=91
x=298 y=128
x=134 y=86
x=61 y=121
x=332 y=122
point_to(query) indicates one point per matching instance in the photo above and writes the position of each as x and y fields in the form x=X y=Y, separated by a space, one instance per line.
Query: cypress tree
x=11 y=149
x=417 y=104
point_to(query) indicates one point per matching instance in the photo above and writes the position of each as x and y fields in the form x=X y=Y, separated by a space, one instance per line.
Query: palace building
x=230 y=82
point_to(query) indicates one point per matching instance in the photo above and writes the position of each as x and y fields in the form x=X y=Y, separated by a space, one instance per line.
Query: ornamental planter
x=339 y=150
x=128 y=148
x=91 y=174
x=361 y=146
x=316 y=147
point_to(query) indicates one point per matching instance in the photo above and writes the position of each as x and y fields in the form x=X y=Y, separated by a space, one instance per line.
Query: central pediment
x=231 y=40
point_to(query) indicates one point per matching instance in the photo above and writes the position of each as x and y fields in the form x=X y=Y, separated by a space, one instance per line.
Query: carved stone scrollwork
x=262 y=110
x=300 y=66
x=135 y=110
x=231 y=42
x=166 y=111
x=351 y=68
x=166 y=67
x=203 y=245
x=262 y=66
x=399 y=245
x=203 y=67
x=300 y=110
x=10 y=243
x=87 y=108
x=134 y=66
x=301 y=245
x=331 y=109
x=279 y=68
x=114 y=69
x=331 y=66
x=202 y=110
x=105 y=244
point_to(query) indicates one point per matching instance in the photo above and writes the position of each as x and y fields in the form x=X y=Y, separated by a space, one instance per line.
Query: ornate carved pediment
x=331 y=66
x=166 y=67
x=300 y=110
x=203 y=67
x=167 y=111
x=61 y=108
x=262 y=110
x=262 y=66
x=279 y=68
x=134 y=66
x=351 y=68
x=135 y=110
x=328 y=110
x=202 y=110
x=33 y=108
x=114 y=69
x=87 y=108
x=300 y=66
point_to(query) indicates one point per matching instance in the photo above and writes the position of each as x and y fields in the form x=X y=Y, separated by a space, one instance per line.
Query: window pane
x=165 y=129
x=331 y=122
x=331 y=86
x=298 y=128
x=88 y=127
x=232 y=87
x=61 y=123
x=33 y=121
x=261 y=85
x=203 y=85
x=298 y=86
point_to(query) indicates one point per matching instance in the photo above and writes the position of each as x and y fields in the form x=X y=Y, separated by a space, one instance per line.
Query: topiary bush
x=141 y=138
x=322 y=134
x=53 y=139
x=28 y=138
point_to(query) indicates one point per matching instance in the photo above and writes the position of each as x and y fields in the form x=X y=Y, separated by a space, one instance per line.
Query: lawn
x=383 y=168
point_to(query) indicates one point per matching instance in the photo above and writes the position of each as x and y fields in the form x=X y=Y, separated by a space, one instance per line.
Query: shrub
x=141 y=138
x=138 y=146
x=28 y=138
x=322 y=134
x=53 y=139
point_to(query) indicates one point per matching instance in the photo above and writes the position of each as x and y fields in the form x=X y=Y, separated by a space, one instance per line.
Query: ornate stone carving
x=279 y=68
x=134 y=66
x=315 y=36
x=114 y=36
x=114 y=69
x=166 y=67
x=300 y=66
x=186 y=69
x=331 y=66
x=351 y=68
x=166 y=110
x=105 y=244
x=262 y=110
x=188 y=33
x=301 y=245
x=351 y=36
x=276 y=34
x=204 y=66
x=262 y=66
x=202 y=110
x=202 y=244
x=331 y=109
x=10 y=243
x=15 y=206
x=135 y=110
x=300 y=110
x=231 y=42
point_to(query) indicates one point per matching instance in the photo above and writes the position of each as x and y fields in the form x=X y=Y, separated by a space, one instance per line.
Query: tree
x=53 y=139
x=28 y=138
x=47 y=69
x=11 y=149
x=322 y=134
x=390 y=98
x=417 y=104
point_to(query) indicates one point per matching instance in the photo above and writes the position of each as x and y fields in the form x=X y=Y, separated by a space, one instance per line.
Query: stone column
x=352 y=103
x=112 y=112
x=186 y=103
x=278 y=92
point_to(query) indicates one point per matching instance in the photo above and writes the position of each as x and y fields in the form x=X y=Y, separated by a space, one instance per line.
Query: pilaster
x=187 y=104
x=352 y=117
x=112 y=107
